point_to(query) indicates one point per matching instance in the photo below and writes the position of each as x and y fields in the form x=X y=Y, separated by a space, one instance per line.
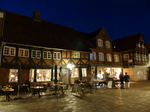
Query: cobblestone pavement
x=135 y=99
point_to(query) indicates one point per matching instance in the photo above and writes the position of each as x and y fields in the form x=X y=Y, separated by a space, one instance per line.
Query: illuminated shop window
x=42 y=75
x=75 y=72
x=100 y=43
x=23 y=52
x=47 y=55
x=9 y=51
x=84 y=72
x=13 y=75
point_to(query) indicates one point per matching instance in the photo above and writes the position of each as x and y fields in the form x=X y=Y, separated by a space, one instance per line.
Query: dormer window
x=108 y=44
x=100 y=43
x=139 y=45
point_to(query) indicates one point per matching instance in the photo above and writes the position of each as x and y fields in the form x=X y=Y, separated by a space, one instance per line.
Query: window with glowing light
x=76 y=54
x=9 y=51
x=93 y=56
x=75 y=72
x=116 y=58
x=101 y=57
x=13 y=75
x=109 y=57
x=41 y=75
x=108 y=44
x=100 y=43
x=84 y=72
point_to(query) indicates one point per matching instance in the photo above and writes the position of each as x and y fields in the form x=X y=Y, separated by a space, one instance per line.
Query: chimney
x=36 y=16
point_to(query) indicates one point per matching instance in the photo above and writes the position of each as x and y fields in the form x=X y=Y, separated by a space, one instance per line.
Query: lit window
x=36 y=54
x=139 y=45
x=41 y=75
x=23 y=52
x=93 y=56
x=84 y=72
x=108 y=44
x=75 y=72
x=116 y=58
x=76 y=54
x=13 y=75
x=143 y=57
x=47 y=55
x=100 y=43
x=56 y=55
x=101 y=56
x=9 y=51
x=136 y=56
x=139 y=57
x=126 y=57
x=109 y=57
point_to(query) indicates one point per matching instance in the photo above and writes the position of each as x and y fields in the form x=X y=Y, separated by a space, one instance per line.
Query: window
x=75 y=72
x=139 y=45
x=36 y=54
x=136 y=56
x=13 y=75
x=93 y=56
x=23 y=52
x=9 y=51
x=57 y=55
x=76 y=54
x=109 y=57
x=125 y=57
x=108 y=44
x=143 y=57
x=100 y=43
x=41 y=75
x=139 y=57
x=84 y=72
x=47 y=55
x=116 y=58
x=101 y=56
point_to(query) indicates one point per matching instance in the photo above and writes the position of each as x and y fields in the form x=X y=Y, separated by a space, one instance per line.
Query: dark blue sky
x=119 y=17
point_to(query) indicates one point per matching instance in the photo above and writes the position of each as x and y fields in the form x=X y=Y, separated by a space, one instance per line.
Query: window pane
x=84 y=72
x=75 y=72
x=13 y=75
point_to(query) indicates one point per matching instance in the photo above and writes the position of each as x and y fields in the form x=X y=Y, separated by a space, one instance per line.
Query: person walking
x=127 y=81
x=121 y=80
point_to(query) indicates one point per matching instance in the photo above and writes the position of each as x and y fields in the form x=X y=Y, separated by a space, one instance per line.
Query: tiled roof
x=126 y=43
x=25 y=30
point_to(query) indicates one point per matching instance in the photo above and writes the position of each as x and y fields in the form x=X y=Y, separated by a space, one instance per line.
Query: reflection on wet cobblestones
x=136 y=99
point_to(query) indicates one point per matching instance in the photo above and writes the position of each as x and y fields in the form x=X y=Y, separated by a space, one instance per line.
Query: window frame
x=76 y=54
x=58 y=56
x=109 y=57
x=37 y=54
x=23 y=53
x=48 y=55
x=11 y=75
x=100 y=43
x=116 y=58
x=11 y=51
x=108 y=44
x=93 y=56
x=101 y=57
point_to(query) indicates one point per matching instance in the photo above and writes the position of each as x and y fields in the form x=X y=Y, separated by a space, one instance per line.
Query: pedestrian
x=121 y=80
x=127 y=80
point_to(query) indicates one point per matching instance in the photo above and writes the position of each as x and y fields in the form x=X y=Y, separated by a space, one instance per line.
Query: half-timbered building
x=134 y=55
x=34 y=50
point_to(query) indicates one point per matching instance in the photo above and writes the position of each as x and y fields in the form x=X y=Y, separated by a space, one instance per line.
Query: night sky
x=120 y=18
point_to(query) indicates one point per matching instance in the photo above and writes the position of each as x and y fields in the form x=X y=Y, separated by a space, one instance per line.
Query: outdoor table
x=7 y=92
x=62 y=88
x=24 y=87
x=37 y=89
